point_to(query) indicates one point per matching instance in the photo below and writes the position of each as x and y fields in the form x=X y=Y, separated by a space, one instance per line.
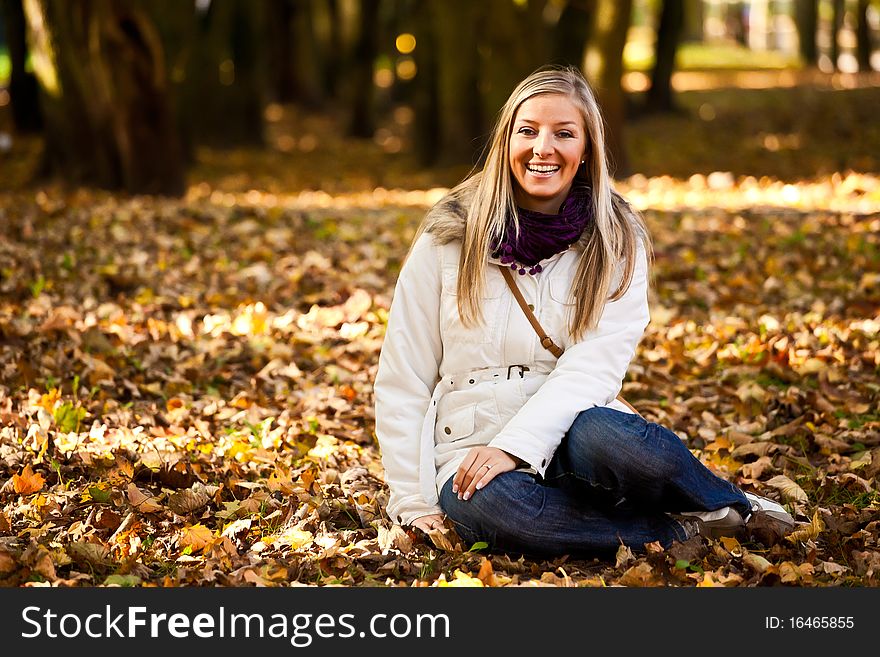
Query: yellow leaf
x=48 y=400
x=808 y=532
x=27 y=482
x=460 y=580
x=709 y=582
x=731 y=545
x=790 y=572
x=196 y=537
x=294 y=537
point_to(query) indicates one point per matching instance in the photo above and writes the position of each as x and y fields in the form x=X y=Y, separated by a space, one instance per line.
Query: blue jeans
x=613 y=479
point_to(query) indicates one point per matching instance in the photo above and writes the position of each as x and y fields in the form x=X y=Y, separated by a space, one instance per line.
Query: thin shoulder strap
x=546 y=340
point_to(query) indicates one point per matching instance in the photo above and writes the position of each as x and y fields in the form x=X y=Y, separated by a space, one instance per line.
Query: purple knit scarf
x=544 y=235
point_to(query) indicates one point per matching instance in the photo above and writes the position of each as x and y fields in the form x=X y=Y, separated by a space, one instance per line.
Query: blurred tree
x=572 y=32
x=693 y=20
x=449 y=99
x=23 y=88
x=361 y=121
x=423 y=90
x=807 y=22
x=735 y=19
x=222 y=92
x=604 y=68
x=280 y=43
x=503 y=59
x=864 y=47
x=838 y=13
x=104 y=95
x=217 y=68
x=328 y=17
x=309 y=56
x=669 y=27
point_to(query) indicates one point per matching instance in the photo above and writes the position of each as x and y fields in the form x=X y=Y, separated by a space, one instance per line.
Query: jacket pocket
x=490 y=302
x=557 y=314
x=456 y=425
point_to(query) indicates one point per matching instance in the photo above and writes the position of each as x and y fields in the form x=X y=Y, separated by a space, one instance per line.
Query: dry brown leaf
x=624 y=556
x=756 y=562
x=91 y=553
x=142 y=501
x=8 y=562
x=184 y=502
x=27 y=482
x=790 y=490
x=832 y=568
x=394 y=537
x=639 y=575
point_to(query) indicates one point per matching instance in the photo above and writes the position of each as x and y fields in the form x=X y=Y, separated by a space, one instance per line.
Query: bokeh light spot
x=405 y=43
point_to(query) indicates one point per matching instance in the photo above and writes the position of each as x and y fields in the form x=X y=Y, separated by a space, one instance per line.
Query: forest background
x=204 y=206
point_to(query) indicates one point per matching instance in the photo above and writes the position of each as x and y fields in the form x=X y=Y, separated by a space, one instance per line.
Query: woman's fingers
x=458 y=483
x=429 y=522
x=480 y=466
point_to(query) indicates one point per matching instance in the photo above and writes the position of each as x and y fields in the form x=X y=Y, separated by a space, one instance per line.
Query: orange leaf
x=196 y=536
x=27 y=482
x=486 y=574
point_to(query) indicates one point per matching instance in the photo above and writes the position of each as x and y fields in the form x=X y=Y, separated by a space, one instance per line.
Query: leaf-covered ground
x=185 y=385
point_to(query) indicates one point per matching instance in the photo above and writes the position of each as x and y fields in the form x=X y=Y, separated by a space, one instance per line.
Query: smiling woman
x=520 y=442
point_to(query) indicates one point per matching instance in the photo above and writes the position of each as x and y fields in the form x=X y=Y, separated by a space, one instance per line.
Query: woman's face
x=547 y=144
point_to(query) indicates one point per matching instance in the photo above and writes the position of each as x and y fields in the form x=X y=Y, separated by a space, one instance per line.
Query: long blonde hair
x=610 y=241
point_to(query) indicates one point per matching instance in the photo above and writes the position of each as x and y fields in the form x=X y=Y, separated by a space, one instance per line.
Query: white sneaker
x=725 y=521
x=772 y=510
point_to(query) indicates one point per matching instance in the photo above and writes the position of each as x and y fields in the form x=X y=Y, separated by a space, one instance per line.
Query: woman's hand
x=427 y=523
x=480 y=466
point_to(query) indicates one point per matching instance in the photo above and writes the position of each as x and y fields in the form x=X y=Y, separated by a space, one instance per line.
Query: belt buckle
x=522 y=370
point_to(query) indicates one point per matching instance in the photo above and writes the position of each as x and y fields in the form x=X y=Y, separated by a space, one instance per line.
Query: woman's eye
x=565 y=134
x=526 y=131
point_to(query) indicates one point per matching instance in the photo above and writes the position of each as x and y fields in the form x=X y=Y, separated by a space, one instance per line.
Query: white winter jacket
x=442 y=389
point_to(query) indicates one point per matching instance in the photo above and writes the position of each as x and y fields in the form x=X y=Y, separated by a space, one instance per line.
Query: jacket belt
x=449 y=383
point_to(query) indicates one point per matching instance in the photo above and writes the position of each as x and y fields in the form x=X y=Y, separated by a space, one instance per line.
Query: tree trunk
x=458 y=112
x=503 y=60
x=308 y=57
x=101 y=70
x=604 y=67
x=693 y=20
x=572 y=32
x=864 y=47
x=839 y=10
x=280 y=64
x=659 y=97
x=426 y=103
x=807 y=21
x=362 y=120
x=23 y=88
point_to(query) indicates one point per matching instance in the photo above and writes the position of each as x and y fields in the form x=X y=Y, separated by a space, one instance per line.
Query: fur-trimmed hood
x=445 y=221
